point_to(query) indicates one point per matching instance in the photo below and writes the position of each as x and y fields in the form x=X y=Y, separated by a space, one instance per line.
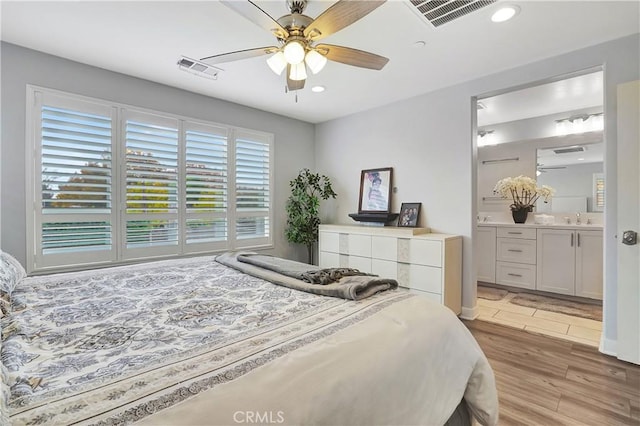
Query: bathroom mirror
x=577 y=175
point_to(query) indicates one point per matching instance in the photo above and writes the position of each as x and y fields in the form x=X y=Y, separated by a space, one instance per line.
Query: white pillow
x=11 y=273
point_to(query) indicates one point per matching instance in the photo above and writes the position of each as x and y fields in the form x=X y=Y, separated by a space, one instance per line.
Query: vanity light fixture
x=485 y=138
x=580 y=124
x=505 y=13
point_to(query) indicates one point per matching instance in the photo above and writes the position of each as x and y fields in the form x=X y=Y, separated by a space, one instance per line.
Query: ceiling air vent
x=440 y=12
x=569 y=150
x=198 y=68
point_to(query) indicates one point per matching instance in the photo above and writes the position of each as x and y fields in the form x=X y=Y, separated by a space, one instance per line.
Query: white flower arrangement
x=523 y=190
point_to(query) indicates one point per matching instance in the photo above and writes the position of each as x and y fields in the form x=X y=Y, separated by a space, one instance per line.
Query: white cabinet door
x=556 y=261
x=486 y=253
x=589 y=264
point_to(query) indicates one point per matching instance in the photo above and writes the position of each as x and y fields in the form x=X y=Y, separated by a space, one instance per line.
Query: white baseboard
x=470 y=313
x=608 y=346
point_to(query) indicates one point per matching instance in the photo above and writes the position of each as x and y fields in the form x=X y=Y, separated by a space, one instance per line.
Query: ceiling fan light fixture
x=298 y=72
x=277 y=62
x=315 y=61
x=294 y=52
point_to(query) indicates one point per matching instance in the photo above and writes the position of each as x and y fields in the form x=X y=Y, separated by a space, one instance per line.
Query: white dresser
x=430 y=264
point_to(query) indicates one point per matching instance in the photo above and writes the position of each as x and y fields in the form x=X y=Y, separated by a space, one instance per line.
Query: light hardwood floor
x=547 y=381
x=539 y=321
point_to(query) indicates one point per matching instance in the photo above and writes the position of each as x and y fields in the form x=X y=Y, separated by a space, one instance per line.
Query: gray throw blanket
x=346 y=283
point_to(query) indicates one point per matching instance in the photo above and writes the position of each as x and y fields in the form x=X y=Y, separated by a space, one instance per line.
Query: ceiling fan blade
x=340 y=15
x=255 y=14
x=238 y=55
x=355 y=57
x=293 y=84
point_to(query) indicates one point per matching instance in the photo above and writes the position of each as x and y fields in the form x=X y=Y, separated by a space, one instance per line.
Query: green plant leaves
x=303 y=206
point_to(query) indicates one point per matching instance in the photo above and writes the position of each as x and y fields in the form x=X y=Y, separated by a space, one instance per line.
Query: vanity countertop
x=593 y=227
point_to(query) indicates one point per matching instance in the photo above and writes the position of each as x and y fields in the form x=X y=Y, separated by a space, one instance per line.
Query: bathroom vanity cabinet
x=560 y=259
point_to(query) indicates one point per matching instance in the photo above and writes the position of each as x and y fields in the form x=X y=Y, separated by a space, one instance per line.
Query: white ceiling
x=145 y=39
x=570 y=94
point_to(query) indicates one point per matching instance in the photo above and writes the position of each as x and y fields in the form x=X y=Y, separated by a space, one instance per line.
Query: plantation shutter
x=150 y=185
x=111 y=183
x=73 y=181
x=253 y=158
x=206 y=187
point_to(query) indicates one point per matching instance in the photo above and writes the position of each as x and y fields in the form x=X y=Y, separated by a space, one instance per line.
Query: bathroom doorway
x=537 y=276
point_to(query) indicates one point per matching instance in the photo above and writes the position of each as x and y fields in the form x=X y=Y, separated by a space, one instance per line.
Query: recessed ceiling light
x=420 y=43
x=580 y=159
x=505 y=13
x=318 y=89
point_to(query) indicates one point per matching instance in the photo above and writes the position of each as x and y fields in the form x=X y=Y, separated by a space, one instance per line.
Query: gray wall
x=429 y=141
x=293 y=138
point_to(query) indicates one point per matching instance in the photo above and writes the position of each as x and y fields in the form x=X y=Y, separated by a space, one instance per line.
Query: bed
x=194 y=342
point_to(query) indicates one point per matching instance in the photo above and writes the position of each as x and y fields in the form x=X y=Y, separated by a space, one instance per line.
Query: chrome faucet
x=578 y=219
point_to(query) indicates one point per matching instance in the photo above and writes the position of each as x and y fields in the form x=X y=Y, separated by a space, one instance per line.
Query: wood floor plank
x=528 y=358
x=600 y=383
x=554 y=387
x=592 y=411
x=595 y=389
x=516 y=411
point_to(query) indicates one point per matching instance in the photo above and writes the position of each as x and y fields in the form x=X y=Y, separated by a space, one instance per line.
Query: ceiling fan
x=297 y=35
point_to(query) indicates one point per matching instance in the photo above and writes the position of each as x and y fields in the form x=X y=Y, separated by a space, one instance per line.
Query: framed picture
x=375 y=191
x=409 y=213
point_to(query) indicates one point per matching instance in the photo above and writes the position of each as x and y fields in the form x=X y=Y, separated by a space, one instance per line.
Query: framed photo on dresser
x=409 y=214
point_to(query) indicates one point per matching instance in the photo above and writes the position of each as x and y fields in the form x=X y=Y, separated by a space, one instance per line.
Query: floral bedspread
x=114 y=345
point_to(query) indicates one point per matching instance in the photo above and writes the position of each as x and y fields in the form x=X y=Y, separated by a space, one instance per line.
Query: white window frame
x=119 y=254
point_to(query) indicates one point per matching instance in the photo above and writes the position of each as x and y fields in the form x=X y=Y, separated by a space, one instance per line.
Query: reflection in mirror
x=576 y=174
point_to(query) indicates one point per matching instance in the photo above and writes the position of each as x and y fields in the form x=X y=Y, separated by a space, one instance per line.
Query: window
x=156 y=185
x=253 y=164
x=206 y=186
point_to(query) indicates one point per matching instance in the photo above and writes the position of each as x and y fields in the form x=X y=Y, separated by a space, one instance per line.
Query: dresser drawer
x=425 y=252
x=385 y=248
x=384 y=268
x=526 y=233
x=329 y=241
x=516 y=274
x=516 y=250
x=326 y=259
x=363 y=264
x=419 y=277
x=359 y=245
x=432 y=296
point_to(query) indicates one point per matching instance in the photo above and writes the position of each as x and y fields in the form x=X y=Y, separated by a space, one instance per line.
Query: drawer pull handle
x=514 y=250
x=515 y=233
x=514 y=275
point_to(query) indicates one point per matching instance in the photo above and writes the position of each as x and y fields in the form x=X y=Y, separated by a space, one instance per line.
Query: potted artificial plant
x=303 y=207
